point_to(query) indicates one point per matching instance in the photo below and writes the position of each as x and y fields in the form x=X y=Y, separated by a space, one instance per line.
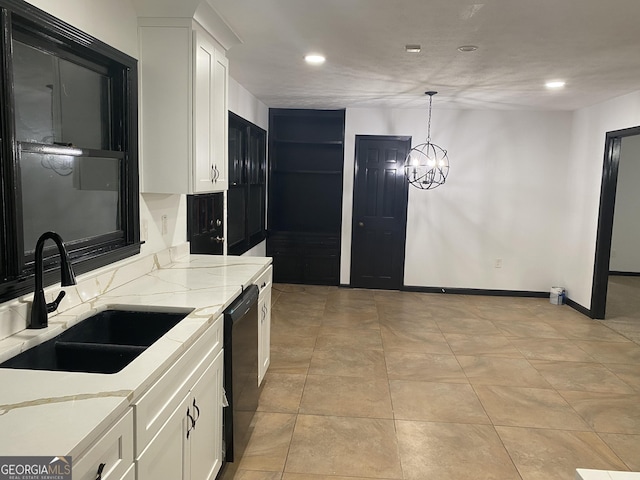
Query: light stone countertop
x=62 y=413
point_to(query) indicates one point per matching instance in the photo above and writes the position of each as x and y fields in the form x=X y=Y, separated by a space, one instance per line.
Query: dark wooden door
x=379 y=212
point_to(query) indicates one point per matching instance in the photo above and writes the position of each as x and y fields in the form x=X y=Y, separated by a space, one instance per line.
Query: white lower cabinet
x=264 y=327
x=189 y=444
x=111 y=457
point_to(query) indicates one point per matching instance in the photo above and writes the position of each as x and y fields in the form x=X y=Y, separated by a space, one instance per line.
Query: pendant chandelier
x=427 y=164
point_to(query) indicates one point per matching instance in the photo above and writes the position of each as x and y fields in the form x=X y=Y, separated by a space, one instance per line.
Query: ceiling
x=593 y=45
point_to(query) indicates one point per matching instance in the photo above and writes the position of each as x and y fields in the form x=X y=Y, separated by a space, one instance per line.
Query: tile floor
x=396 y=385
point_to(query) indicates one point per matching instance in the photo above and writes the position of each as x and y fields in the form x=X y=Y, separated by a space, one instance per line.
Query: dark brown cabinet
x=306 y=152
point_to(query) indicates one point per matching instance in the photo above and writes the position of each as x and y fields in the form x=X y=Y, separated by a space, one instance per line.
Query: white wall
x=503 y=198
x=579 y=227
x=112 y=21
x=625 y=253
x=244 y=104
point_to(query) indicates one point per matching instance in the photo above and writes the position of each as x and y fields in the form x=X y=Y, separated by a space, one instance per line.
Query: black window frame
x=54 y=36
x=247 y=173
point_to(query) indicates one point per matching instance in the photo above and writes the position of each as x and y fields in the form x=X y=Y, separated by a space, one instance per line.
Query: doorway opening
x=612 y=155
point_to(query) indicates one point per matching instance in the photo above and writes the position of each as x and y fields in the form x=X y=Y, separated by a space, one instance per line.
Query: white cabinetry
x=189 y=444
x=184 y=117
x=179 y=419
x=264 y=328
x=111 y=457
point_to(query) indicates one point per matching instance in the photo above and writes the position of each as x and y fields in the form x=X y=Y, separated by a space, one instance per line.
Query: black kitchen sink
x=104 y=343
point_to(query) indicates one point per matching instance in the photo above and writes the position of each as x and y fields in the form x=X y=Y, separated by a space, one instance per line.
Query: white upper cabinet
x=184 y=118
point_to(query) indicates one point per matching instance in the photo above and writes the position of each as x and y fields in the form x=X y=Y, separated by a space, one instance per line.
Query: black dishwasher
x=240 y=376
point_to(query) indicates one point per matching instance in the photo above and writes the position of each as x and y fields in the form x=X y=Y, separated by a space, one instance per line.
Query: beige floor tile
x=461 y=448
x=589 y=377
x=348 y=363
x=607 y=412
x=528 y=407
x=269 y=442
x=281 y=392
x=588 y=330
x=543 y=454
x=448 y=309
x=307 y=476
x=629 y=374
x=356 y=319
x=255 y=475
x=348 y=338
x=612 y=352
x=482 y=345
x=344 y=446
x=415 y=340
x=506 y=312
x=286 y=358
x=408 y=321
x=515 y=372
x=627 y=447
x=436 y=402
x=467 y=326
x=551 y=349
x=346 y=397
x=297 y=308
x=284 y=324
x=426 y=367
x=527 y=329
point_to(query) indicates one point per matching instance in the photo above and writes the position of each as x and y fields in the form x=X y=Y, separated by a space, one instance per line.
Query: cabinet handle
x=216 y=173
x=99 y=472
x=193 y=423
x=213 y=174
x=196 y=410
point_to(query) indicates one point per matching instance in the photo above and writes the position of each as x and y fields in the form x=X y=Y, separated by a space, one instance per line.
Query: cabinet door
x=264 y=332
x=203 y=114
x=220 y=134
x=114 y=451
x=205 y=441
x=165 y=458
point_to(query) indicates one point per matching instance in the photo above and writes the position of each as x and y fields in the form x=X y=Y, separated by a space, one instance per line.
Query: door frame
x=604 y=235
x=405 y=196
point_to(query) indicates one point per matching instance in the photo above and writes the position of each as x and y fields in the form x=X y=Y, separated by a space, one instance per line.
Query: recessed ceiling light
x=412 y=48
x=467 y=48
x=555 y=84
x=314 y=59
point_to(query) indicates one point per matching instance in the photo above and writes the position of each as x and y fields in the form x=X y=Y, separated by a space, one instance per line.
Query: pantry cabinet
x=184 y=117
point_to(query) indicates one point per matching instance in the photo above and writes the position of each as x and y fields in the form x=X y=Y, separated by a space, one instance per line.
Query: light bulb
x=431 y=162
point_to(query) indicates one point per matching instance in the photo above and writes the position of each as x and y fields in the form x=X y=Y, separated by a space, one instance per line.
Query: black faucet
x=40 y=307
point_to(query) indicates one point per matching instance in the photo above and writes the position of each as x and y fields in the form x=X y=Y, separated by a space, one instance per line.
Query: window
x=247 y=185
x=68 y=146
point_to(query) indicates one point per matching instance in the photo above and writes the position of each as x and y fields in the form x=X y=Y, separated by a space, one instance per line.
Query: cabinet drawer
x=264 y=280
x=154 y=408
x=114 y=449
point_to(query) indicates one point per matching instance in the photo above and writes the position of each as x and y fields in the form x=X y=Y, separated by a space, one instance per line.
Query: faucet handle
x=53 y=306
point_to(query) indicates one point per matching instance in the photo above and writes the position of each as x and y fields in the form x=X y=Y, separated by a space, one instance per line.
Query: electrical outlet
x=164 y=225
x=498 y=263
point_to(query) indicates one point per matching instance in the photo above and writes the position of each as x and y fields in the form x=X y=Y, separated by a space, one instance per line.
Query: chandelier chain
x=429 y=124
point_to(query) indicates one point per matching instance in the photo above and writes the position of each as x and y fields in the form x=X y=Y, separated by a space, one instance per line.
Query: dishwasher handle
x=241 y=305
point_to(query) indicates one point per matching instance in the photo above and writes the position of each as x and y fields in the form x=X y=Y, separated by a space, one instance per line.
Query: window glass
x=58 y=101
x=77 y=197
